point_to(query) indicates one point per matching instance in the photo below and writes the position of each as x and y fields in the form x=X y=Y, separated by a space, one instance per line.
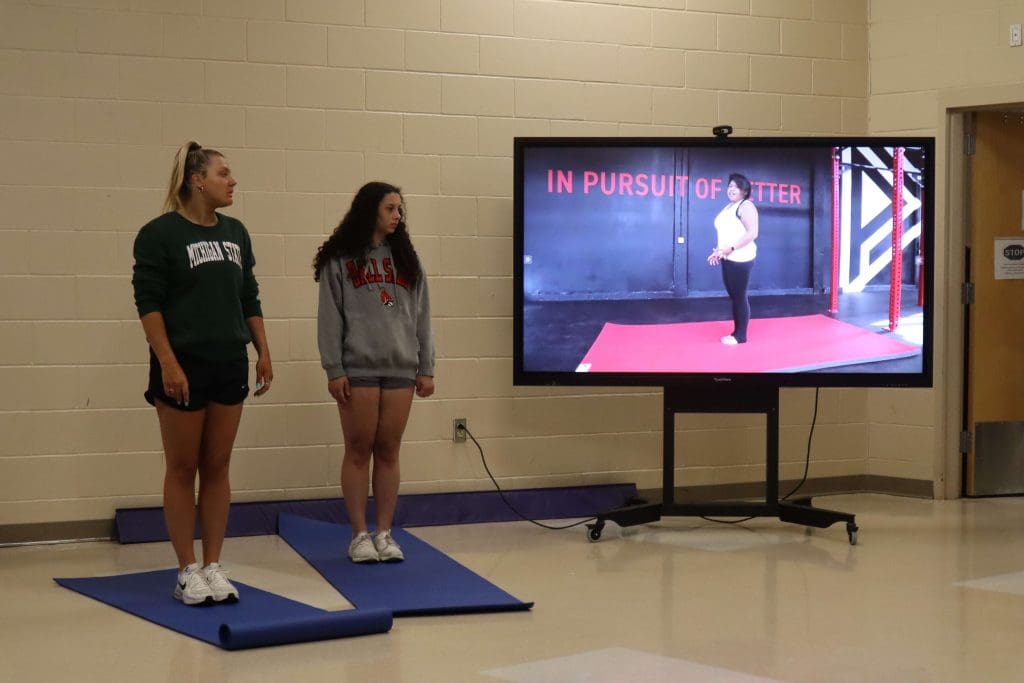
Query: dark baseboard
x=53 y=532
x=146 y=525
x=824 y=486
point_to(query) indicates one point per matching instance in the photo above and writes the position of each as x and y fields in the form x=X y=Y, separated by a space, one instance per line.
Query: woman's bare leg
x=359 y=426
x=395 y=405
x=219 y=433
x=182 y=434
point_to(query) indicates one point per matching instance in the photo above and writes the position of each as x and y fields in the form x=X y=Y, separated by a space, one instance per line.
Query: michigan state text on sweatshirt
x=369 y=323
x=201 y=279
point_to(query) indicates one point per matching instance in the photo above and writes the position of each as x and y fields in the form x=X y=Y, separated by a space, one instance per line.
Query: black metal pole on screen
x=763 y=400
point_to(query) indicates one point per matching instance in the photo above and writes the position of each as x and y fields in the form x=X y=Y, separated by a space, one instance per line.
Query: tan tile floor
x=934 y=591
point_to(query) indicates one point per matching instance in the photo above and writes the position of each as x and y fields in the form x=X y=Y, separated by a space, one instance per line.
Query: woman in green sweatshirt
x=199 y=304
x=377 y=348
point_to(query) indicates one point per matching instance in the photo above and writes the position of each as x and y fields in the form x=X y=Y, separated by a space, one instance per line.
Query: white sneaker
x=387 y=549
x=220 y=587
x=729 y=340
x=362 y=549
x=192 y=588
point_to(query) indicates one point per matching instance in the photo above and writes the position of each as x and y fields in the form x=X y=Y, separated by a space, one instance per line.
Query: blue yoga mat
x=258 y=619
x=428 y=582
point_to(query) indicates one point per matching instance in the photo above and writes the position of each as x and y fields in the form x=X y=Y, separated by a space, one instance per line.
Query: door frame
x=951 y=226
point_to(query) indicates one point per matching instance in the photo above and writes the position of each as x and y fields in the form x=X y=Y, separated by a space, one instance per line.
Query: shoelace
x=217 y=576
x=195 y=577
x=361 y=541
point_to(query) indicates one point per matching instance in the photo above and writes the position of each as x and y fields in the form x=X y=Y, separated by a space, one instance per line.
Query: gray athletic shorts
x=382 y=382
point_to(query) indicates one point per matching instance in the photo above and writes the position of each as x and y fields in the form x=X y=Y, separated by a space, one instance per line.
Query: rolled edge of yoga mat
x=341 y=624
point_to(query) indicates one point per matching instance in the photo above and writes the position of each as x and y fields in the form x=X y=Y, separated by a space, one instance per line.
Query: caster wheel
x=851 y=531
x=594 y=532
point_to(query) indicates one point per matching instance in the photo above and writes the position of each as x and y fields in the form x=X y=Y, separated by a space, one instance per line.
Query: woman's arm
x=425 y=335
x=330 y=321
x=330 y=332
x=264 y=369
x=749 y=218
x=175 y=382
x=252 y=310
x=150 y=282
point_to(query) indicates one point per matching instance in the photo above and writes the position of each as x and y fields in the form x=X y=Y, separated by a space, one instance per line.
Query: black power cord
x=803 y=479
x=502 y=493
x=810 y=435
x=807 y=465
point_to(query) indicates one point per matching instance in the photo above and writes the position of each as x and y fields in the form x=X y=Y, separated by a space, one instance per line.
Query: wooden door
x=995 y=337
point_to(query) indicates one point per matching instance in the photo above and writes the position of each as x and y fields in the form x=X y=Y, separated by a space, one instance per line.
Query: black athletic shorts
x=224 y=382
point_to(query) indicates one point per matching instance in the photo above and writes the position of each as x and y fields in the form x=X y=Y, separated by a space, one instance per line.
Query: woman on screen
x=736 y=226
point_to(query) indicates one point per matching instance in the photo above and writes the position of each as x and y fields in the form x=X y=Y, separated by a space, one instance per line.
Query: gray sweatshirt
x=371 y=324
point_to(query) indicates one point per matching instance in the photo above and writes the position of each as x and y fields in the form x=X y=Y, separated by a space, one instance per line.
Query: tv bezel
x=723 y=381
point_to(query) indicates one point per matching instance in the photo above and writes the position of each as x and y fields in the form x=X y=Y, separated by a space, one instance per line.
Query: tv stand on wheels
x=730 y=400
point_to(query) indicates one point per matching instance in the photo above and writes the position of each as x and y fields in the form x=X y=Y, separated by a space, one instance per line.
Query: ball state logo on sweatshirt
x=386 y=300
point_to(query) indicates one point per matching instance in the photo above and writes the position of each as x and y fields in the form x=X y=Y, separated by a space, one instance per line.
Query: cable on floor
x=506 y=501
x=501 y=493
x=807 y=465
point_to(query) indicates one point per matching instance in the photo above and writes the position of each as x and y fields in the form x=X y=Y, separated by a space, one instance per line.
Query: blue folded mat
x=146 y=525
x=427 y=582
x=258 y=619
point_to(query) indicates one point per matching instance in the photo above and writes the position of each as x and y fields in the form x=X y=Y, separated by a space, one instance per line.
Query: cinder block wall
x=921 y=54
x=310 y=98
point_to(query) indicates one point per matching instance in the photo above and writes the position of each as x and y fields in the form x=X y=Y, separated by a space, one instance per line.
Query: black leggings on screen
x=736 y=276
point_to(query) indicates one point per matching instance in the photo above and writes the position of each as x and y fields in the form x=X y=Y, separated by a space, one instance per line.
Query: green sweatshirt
x=201 y=279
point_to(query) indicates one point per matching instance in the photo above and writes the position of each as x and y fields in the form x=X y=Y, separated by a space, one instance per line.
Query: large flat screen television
x=718 y=261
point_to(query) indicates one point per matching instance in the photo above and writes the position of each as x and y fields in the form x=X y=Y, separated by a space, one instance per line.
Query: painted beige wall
x=927 y=61
x=309 y=98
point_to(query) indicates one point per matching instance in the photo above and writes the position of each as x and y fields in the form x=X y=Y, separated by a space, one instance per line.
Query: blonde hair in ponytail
x=190 y=159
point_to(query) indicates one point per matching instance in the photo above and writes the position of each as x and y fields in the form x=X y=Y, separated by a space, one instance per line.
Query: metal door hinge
x=966 y=441
x=970 y=138
x=967 y=293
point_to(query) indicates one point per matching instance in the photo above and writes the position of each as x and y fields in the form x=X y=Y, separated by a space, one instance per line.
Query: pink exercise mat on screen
x=793 y=344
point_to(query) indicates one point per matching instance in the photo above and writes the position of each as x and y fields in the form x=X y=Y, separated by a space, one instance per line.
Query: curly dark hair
x=354 y=235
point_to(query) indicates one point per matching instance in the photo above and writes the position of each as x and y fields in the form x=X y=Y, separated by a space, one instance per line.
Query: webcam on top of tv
x=722 y=132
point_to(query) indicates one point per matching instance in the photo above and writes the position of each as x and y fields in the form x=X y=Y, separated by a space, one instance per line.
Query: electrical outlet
x=1014 y=35
x=459 y=429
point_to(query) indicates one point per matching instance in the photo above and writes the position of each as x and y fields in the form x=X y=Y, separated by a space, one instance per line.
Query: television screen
x=767 y=261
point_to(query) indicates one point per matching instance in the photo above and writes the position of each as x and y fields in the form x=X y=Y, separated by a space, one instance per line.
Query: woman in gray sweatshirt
x=377 y=348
